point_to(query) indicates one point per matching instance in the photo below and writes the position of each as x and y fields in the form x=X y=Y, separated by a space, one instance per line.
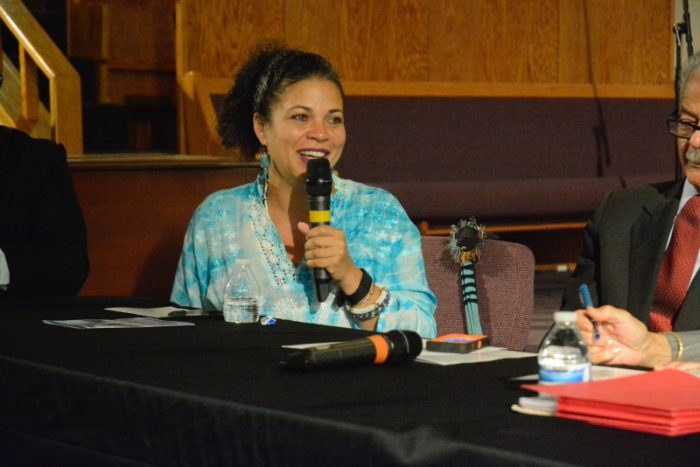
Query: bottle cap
x=564 y=316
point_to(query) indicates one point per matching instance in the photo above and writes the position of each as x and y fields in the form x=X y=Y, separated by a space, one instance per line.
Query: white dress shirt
x=4 y=272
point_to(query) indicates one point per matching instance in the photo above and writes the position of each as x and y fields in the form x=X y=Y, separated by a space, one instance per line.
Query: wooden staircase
x=20 y=105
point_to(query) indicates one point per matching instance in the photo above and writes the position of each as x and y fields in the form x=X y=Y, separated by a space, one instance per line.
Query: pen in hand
x=585 y=296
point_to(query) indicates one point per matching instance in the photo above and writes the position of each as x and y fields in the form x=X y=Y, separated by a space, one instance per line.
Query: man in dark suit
x=43 y=244
x=625 y=253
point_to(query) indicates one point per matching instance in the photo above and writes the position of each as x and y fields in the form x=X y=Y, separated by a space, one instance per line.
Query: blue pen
x=585 y=296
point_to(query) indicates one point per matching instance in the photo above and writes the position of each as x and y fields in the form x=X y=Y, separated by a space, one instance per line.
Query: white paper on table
x=487 y=354
x=160 y=312
x=308 y=345
x=598 y=373
x=119 y=323
x=548 y=403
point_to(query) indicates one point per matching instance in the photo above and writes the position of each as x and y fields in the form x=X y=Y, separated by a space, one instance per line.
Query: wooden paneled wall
x=471 y=41
x=131 y=43
x=136 y=219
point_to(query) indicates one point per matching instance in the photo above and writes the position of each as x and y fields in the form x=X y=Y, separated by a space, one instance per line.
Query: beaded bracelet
x=369 y=312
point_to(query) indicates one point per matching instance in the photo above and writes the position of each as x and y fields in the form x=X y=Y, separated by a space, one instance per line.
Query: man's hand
x=624 y=340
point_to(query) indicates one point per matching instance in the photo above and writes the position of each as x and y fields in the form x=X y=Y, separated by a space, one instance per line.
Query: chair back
x=505 y=277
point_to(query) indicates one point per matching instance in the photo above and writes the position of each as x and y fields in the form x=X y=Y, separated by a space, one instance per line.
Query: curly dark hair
x=259 y=83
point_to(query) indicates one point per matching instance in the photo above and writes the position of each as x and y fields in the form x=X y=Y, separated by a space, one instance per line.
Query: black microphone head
x=319 y=177
x=406 y=345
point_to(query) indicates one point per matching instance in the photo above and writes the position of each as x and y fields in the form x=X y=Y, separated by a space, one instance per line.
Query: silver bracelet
x=371 y=311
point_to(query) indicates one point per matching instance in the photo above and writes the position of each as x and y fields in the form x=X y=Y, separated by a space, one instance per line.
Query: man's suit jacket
x=624 y=247
x=42 y=231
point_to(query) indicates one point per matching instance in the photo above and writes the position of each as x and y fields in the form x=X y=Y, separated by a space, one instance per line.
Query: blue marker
x=585 y=296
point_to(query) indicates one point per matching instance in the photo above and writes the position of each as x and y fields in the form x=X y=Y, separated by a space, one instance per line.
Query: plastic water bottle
x=242 y=295
x=563 y=357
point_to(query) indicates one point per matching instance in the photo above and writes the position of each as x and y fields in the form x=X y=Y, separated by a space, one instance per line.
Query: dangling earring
x=264 y=164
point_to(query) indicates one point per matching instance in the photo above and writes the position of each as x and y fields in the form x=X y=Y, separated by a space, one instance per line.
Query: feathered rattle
x=466 y=239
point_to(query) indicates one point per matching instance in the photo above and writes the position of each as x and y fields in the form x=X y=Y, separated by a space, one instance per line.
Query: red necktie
x=677 y=268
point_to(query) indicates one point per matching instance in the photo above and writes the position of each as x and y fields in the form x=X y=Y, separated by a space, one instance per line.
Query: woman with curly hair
x=286 y=107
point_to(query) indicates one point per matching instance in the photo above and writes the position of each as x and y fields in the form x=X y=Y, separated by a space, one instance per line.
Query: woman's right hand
x=326 y=248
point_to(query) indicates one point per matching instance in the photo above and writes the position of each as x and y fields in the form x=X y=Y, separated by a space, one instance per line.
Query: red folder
x=663 y=402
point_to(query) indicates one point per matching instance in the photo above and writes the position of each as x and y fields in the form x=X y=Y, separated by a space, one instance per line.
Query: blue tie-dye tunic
x=234 y=223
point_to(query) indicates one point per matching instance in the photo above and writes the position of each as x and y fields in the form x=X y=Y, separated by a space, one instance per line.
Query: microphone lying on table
x=391 y=347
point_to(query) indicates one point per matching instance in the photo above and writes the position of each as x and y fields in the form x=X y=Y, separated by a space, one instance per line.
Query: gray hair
x=690 y=69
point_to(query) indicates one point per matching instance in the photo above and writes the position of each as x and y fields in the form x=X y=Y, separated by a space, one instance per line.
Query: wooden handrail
x=38 y=52
x=198 y=116
x=426 y=229
x=516 y=90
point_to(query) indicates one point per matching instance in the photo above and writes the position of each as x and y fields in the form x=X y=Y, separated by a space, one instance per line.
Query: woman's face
x=306 y=122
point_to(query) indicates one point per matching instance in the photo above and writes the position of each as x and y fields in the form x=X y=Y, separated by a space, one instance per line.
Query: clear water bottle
x=563 y=356
x=242 y=295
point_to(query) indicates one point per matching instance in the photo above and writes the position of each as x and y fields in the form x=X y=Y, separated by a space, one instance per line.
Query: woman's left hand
x=326 y=248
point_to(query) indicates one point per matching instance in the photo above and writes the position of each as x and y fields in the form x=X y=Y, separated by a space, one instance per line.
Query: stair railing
x=20 y=105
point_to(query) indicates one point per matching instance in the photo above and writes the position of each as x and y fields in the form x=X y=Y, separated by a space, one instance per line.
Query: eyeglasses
x=680 y=128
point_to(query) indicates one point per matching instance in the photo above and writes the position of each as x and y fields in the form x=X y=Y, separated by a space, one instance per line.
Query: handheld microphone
x=319 y=184
x=392 y=347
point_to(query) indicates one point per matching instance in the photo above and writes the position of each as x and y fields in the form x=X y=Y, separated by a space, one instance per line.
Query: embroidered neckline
x=267 y=237
x=283 y=270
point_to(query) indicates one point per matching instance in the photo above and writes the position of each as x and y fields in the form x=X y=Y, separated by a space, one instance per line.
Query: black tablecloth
x=213 y=394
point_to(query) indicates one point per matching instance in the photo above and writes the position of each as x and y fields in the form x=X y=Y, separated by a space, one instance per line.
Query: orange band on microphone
x=316 y=217
x=381 y=346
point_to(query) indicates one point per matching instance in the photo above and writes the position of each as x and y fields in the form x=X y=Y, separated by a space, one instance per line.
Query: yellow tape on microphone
x=320 y=217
